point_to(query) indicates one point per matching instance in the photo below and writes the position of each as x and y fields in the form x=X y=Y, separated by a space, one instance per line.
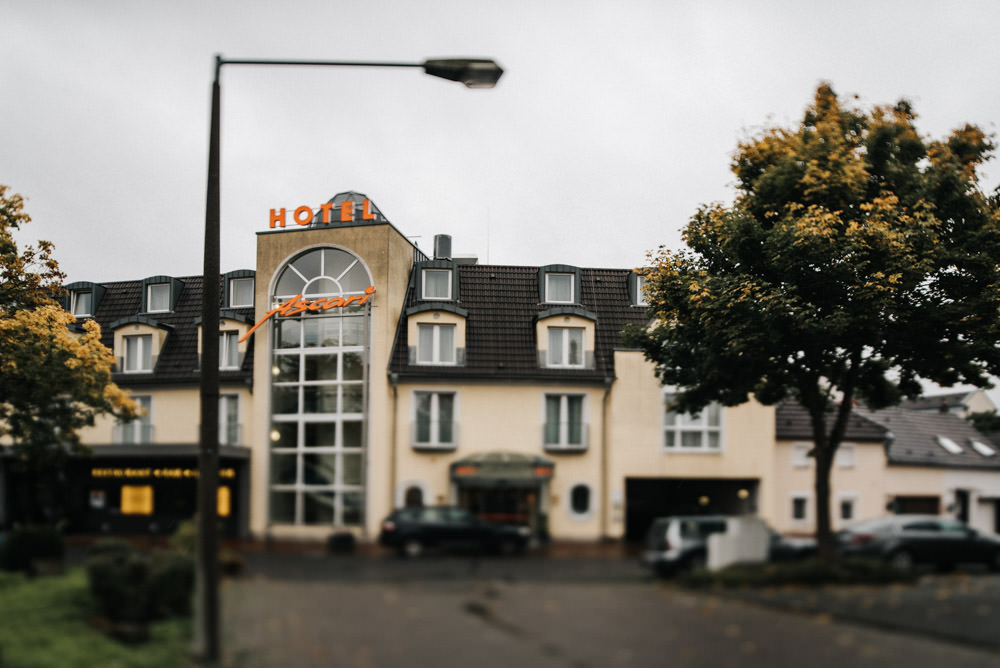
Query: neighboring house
x=892 y=461
x=141 y=476
x=958 y=403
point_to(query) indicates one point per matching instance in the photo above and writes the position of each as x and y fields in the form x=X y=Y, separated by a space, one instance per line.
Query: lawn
x=44 y=623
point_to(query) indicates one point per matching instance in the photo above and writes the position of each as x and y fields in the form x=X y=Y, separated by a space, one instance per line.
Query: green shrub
x=130 y=586
x=171 y=584
x=22 y=547
x=110 y=546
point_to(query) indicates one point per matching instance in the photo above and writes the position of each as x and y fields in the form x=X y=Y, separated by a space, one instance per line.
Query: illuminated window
x=692 y=432
x=158 y=297
x=565 y=347
x=436 y=344
x=224 y=501
x=564 y=425
x=436 y=284
x=137 y=500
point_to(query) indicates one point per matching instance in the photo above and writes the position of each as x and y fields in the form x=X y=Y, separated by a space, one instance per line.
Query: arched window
x=414 y=497
x=579 y=499
x=319 y=380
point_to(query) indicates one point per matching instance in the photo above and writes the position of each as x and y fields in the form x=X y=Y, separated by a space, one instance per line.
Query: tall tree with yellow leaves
x=55 y=376
x=857 y=258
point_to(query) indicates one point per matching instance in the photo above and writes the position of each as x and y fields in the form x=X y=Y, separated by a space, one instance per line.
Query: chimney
x=442 y=247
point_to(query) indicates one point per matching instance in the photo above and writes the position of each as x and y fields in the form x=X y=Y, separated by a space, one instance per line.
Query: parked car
x=905 y=541
x=412 y=531
x=680 y=543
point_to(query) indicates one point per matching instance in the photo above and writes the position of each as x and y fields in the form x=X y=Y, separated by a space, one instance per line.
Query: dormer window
x=565 y=347
x=240 y=292
x=436 y=284
x=82 y=303
x=559 y=288
x=435 y=344
x=138 y=356
x=229 y=354
x=951 y=446
x=157 y=297
x=640 y=290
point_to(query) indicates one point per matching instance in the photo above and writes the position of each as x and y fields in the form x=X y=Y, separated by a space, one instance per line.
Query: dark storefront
x=649 y=498
x=506 y=488
x=135 y=490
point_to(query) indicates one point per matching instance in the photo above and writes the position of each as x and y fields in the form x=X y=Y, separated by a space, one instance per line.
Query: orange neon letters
x=297 y=305
x=303 y=215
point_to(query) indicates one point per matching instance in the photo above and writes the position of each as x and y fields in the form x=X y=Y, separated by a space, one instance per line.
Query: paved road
x=300 y=610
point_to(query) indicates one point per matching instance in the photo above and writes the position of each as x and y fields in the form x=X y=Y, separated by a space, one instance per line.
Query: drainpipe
x=394 y=380
x=605 y=500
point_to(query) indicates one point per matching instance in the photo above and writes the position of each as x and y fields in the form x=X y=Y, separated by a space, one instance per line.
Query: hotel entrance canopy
x=501 y=469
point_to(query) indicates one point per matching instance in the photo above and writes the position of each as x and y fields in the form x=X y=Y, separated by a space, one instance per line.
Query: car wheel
x=902 y=560
x=697 y=562
x=412 y=548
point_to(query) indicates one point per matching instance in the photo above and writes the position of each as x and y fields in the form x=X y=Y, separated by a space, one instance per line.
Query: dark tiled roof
x=503 y=305
x=938 y=401
x=178 y=360
x=914 y=439
x=792 y=422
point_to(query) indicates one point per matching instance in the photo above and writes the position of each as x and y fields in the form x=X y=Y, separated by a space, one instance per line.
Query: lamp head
x=473 y=72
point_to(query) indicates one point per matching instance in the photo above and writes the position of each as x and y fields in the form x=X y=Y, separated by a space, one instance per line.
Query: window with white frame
x=800 y=455
x=847 y=507
x=692 y=432
x=559 y=288
x=139 y=430
x=800 y=507
x=157 y=297
x=138 y=356
x=565 y=347
x=564 y=424
x=434 y=419
x=436 y=284
x=435 y=344
x=319 y=382
x=229 y=419
x=82 y=302
x=640 y=290
x=229 y=353
x=845 y=456
x=240 y=292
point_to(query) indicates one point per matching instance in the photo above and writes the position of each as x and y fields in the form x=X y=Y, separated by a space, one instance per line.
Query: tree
x=53 y=381
x=28 y=277
x=856 y=258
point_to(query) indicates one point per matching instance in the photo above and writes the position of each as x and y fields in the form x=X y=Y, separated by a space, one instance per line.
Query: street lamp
x=474 y=73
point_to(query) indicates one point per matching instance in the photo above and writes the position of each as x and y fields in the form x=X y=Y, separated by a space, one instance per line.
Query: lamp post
x=474 y=73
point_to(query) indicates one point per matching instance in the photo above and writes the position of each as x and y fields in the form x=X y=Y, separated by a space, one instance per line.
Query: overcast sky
x=614 y=120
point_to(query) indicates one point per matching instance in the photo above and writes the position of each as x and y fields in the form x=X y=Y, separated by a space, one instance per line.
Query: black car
x=412 y=531
x=905 y=541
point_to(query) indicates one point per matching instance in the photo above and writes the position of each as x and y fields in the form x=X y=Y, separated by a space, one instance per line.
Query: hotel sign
x=297 y=305
x=344 y=212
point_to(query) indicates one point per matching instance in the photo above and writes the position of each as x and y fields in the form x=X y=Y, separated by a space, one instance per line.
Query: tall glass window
x=319 y=394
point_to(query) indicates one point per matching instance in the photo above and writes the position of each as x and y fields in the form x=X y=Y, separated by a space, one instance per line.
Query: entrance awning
x=502 y=469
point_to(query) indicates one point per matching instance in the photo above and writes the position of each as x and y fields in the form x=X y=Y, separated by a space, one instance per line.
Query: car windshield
x=702 y=528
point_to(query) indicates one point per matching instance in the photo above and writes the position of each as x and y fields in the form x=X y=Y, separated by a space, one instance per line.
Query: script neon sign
x=297 y=305
x=304 y=215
